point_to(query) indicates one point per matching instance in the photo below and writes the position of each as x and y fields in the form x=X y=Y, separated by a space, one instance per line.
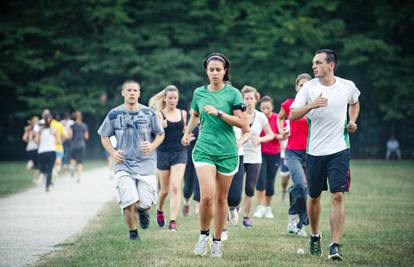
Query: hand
x=192 y=137
x=319 y=102
x=118 y=156
x=211 y=110
x=146 y=147
x=352 y=127
x=255 y=139
x=185 y=140
x=285 y=133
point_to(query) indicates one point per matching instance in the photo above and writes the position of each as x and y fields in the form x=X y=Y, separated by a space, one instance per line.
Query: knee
x=163 y=193
x=221 y=199
x=174 y=190
x=338 y=197
x=207 y=199
x=315 y=200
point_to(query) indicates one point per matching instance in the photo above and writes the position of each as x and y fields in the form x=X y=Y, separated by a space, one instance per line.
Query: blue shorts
x=59 y=154
x=330 y=169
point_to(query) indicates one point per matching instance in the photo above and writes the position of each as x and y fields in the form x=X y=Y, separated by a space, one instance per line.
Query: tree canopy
x=69 y=55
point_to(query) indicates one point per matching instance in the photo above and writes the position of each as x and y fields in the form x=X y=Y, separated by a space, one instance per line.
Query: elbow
x=292 y=116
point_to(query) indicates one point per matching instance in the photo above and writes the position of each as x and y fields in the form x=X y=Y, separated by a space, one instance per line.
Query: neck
x=250 y=111
x=170 y=109
x=216 y=86
x=131 y=107
x=328 y=80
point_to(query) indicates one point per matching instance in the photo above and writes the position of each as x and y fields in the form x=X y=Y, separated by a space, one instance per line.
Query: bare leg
x=164 y=179
x=260 y=197
x=176 y=176
x=248 y=201
x=220 y=203
x=269 y=201
x=131 y=216
x=314 y=212
x=206 y=177
x=337 y=216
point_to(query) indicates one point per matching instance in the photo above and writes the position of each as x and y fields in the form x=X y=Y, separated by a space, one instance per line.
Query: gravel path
x=33 y=222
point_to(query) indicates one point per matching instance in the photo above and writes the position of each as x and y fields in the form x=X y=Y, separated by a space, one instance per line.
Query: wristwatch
x=219 y=113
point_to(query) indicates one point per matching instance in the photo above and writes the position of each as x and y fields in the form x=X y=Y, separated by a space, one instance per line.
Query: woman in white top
x=252 y=148
x=47 y=137
x=31 y=146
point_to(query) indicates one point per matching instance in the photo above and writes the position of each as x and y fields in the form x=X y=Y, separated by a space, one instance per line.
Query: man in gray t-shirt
x=138 y=133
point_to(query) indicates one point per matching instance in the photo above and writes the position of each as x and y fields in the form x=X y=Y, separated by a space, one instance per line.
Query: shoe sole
x=205 y=252
x=335 y=257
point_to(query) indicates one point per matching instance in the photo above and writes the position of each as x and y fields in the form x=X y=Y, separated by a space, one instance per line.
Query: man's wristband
x=219 y=114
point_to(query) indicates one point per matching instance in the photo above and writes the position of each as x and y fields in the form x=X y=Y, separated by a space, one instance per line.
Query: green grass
x=378 y=231
x=15 y=178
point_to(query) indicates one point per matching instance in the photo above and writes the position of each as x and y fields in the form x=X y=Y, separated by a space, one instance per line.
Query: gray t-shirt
x=130 y=129
x=78 y=136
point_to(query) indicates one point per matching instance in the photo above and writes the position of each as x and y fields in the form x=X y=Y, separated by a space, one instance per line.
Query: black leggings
x=46 y=163
x=236 y=187
x=267 y=176
x=252 y=174
x=190 y=179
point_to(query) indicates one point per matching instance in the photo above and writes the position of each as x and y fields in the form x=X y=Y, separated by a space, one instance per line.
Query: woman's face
x=267 y=108
x=250 y=100
x=171 y=99
x=300 y=84
x=215 y=71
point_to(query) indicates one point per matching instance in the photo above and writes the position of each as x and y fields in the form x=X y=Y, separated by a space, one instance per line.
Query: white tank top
x=47 y=141
x=31 y=144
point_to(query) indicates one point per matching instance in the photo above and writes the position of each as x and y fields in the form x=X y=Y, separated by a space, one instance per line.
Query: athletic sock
x=315 y=235
x=133 y=233
x=205 y=232
x=216 y=239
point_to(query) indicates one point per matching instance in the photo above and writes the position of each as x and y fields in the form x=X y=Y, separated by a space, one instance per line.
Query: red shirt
x=273 y=146
x=298 y=130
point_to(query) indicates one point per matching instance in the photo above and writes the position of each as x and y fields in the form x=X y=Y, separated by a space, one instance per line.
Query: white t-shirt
x=47 y=140
x=67 y=123
x=238 y=133
x=31 y=144
x=252 y=152
x=327 y=125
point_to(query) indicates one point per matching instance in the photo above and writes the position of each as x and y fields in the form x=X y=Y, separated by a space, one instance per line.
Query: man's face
x=320 y=67
x=131 y=93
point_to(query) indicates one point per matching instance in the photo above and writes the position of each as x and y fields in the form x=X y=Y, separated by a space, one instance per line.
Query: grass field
x=379 y=231
x=15 y=178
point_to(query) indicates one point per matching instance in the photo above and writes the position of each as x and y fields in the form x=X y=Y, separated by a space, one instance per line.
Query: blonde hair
x=250 y=89
x=157 y=101
x=301 y=77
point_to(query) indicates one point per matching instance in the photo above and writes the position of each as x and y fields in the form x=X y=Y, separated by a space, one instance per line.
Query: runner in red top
x=295 y=159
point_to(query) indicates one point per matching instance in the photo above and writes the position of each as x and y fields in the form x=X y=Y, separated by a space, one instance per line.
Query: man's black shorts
x=333 y=169
x=77 y=154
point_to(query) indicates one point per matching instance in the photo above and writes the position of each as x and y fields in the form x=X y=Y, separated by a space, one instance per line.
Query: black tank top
x=173 y=135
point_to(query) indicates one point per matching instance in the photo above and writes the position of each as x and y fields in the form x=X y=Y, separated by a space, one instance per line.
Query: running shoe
x=160 y=218
x=134 y=236
x=144 y=218
x=292 y=225
x=216 y=250
x=335 y=253
x=224 y=235
x=315 y=246
x=172 y=226
x=246 y=222
x=301 y=232
x=201 y=247
x=186 y=209
x=259 y=211
x=268 y=213
x=233 y=217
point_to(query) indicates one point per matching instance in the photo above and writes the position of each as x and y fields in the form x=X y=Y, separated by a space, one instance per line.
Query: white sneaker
x=259 y=211
x=268 y=213
x=216 y=250
x=301 y=232
x=233 y=217
x=225 y=235
x=202 y=245
x=293 y=221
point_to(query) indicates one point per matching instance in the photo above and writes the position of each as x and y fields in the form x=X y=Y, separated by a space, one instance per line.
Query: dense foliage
x=69 y=55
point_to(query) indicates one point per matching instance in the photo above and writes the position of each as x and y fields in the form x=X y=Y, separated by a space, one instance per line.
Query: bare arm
x=353 y=113
x=269 y=135
x=25 y=136
x=297 y=113
x=86 y=135
x=237 y=119
x=194 y=120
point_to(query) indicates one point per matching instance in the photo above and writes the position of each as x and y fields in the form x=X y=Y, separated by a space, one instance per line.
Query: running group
x=224 y=142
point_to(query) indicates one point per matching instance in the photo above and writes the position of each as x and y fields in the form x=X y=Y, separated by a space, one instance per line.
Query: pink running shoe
x=160 y=218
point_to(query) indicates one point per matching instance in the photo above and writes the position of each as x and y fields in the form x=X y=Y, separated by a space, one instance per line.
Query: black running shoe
x=144 y=218
x=315 y=246
x=335 y=253
x=134 y=236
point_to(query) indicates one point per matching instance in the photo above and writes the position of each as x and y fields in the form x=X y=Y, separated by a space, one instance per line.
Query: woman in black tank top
x=171 y=154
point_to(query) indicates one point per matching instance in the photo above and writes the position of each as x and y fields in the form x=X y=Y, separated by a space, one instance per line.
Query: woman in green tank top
x=218 y=107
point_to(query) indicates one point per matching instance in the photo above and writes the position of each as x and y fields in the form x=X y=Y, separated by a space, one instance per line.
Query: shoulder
x=199 y=90
x=113 y=113
x=147 y=110
x=345 y=83
x=261 y=115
